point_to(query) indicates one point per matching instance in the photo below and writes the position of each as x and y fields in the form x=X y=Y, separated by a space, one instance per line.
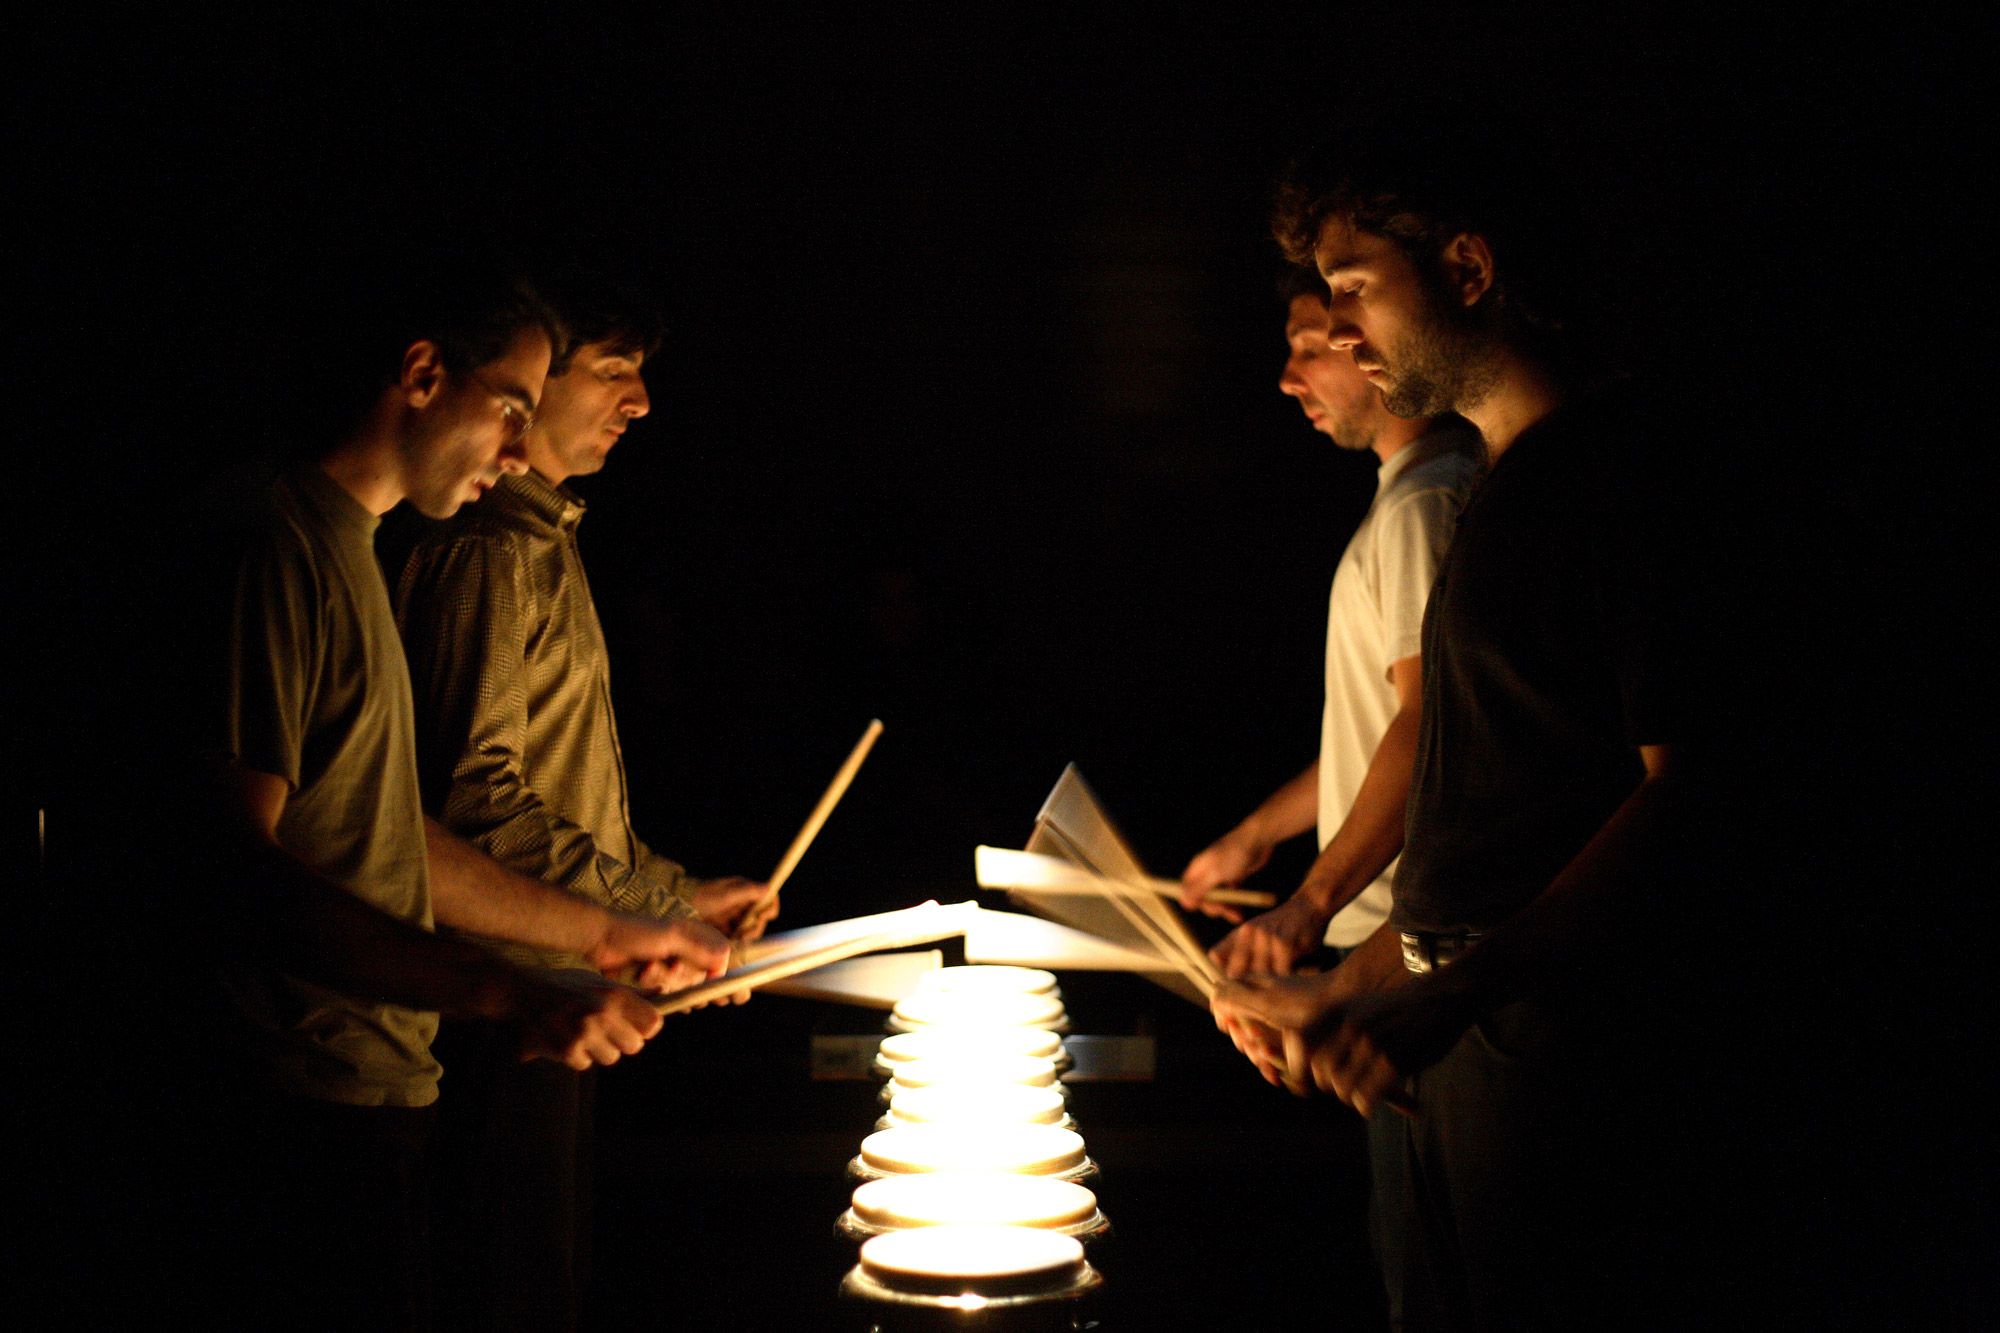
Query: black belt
x=1424 y=951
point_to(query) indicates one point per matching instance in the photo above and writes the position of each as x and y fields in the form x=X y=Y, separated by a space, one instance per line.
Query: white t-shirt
x=1375 y=618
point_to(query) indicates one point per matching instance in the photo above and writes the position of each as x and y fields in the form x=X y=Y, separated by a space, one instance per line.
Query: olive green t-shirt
x=315 y=691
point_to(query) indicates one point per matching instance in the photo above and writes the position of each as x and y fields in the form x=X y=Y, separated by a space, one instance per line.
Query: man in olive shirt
x=303 y=812
x=518 y=753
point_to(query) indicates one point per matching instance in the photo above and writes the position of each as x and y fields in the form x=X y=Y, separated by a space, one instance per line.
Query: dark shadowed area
x=967 y=420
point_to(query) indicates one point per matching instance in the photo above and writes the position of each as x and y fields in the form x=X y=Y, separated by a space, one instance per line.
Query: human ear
x=1468 y=266
x=422 y=376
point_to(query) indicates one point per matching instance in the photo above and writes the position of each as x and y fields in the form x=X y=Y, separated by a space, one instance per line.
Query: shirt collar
x=333 y=501
x=545 y=499
x=1446 y=435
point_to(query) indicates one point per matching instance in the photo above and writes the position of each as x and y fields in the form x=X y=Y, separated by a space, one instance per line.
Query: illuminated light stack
x=973 y=1192
x=930 y=1043
x=981 y=1103
x=1029 y=1071
x=978 y=1009
x=988 y=979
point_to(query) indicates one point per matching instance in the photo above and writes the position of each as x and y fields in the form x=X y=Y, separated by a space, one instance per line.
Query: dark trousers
x=513 y=1184
x=1528 y=1193
x=322 y=1218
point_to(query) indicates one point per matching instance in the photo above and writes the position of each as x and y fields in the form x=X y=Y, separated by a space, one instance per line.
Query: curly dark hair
x=1423 y=192
x=597 y=307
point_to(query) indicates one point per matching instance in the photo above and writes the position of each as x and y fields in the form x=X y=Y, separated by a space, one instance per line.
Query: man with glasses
x=324 y=878
x=518 y=753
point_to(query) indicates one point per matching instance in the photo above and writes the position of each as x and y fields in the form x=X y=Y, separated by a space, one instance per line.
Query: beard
x=1445 y=362
x=1348 y=432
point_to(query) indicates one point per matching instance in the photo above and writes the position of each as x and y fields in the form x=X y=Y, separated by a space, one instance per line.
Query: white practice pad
x=978 y=1104
x=928 y=1043
x=971 y=1253
x=1031 y=1070
x=977 y=1009
x=957 y=1199
x=1029 y=1150
x=989 y=979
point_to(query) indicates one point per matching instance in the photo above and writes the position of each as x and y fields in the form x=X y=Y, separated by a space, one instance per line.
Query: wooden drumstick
x=834 y=791
x=1004 y=868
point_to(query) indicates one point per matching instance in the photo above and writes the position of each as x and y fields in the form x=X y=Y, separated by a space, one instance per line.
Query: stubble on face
x=1331 y=391
x=1443 y=361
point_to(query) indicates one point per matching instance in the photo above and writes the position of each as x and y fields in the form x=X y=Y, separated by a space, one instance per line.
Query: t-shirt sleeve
x=1411 y=537
x=270 y=651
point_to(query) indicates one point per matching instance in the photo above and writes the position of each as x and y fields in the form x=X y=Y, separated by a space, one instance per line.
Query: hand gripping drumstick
x=834 y=791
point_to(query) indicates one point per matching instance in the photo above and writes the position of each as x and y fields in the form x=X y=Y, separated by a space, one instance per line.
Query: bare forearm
x=323 y=934
x=1372 y=834
x=1375 y=964
x=473 y=892
x=1289 y=811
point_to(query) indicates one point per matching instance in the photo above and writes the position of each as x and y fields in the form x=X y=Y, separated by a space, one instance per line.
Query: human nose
x=513 y=458
x=1289 y=380
x=1343 y=335
x=637 y=402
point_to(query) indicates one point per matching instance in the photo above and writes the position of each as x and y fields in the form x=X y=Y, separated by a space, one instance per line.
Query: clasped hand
x=1316 y=1033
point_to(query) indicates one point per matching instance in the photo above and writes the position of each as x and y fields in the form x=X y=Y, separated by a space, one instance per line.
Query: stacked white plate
x=972 y=1190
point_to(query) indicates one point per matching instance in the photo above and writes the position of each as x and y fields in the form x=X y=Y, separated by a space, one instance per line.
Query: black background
x=968 y=417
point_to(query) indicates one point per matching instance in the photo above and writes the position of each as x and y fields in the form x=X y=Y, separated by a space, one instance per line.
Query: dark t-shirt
x=295 y=670
x=1552 y=650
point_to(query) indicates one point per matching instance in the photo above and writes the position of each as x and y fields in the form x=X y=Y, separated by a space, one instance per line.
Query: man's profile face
x=585 y=411
x=468 y=434
x=1424 y=351
x=1333 y=393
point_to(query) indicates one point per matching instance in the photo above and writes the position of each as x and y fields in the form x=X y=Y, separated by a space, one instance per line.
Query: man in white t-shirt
x=1354 y=792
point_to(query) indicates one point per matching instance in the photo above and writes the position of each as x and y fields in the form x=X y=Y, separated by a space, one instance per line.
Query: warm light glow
x=952 y=1198
x=979 y=1009
x=981 y=1103
x=1029 y=1150
x=973 y=1042
x=1028 y=1070
x=987 y=979
x=971 y=1253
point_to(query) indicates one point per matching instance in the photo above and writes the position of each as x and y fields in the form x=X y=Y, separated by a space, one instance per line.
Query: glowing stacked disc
x=977 y=1009
x=942 y=1198
x=978 y=1104
x=989 y=979
x=1026 y=1070
x=972 y=1190
x=957 y=1042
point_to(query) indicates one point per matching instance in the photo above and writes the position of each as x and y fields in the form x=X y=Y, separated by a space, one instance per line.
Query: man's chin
x=433 y=506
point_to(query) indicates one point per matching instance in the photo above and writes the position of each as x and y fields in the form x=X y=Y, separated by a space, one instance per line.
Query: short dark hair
x=364 y=309
x=1420 y=192
x=596 y=307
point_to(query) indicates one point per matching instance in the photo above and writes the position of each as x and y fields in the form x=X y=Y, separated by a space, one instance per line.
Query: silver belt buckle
x=1416 y=958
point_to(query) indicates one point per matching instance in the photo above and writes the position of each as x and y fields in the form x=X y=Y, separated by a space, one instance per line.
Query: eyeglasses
x=510 y=411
